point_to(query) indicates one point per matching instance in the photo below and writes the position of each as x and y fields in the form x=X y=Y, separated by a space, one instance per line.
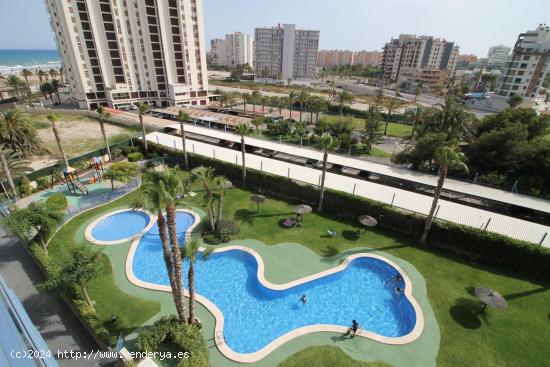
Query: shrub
x=129 y=149
x=152 y=155
x=25 y=188
x=210 y=238
x=57 y=202
x=89 y=316
x=227 y=230
x=135 y=156
x=43 y=182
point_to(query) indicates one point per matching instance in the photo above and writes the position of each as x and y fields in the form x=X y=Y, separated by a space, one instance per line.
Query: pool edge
x=88 y=232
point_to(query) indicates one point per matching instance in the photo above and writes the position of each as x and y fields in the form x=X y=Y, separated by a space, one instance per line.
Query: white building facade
x=284 y=52
x=119 y=52
x=236 y=49
x=525 y=72
x=498 y=55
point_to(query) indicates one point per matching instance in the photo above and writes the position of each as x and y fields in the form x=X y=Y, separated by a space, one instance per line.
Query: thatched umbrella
x=367 y=221
x=301 y=210
x=490 y=297
x=257 y=199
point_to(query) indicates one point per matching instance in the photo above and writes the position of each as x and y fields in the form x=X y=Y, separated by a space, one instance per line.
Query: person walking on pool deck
x=303 y=299
x=353 y=328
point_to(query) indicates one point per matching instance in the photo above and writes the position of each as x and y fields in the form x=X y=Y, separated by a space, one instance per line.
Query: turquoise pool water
x=120 y=226
x=255 y=315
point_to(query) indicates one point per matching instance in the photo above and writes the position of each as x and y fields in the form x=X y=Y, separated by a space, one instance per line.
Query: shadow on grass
x=350 y=235
x=513 y=296
x=466 y=313
x=329 y=251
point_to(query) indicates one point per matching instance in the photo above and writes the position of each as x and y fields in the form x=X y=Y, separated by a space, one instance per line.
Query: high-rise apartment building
x=407 y=58
x=368 y=58
x=335 y=57
x=498 y=55
x=216 y=46
x=525 y=71
x=284 y=52
x=117 y=52
x=236 y=49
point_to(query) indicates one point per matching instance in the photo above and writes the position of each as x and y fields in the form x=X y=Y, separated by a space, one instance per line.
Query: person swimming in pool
x=303 y=299
x=398 y=290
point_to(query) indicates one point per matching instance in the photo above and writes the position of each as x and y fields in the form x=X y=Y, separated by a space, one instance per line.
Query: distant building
x=408 y=59
x=284 y=52
x=236 y=49
x=368 y=58
x=498 y=55
x=526 y=71
x=120 y=52
x=335 y=57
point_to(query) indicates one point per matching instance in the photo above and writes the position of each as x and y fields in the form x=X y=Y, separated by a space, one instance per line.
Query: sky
x=475 y=25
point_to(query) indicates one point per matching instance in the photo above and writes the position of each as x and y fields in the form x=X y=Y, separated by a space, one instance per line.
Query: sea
x=13 y=61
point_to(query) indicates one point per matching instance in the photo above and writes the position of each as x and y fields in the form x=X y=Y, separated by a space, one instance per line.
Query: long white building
x=117 y=52
x=284 y=52
x=236 y=49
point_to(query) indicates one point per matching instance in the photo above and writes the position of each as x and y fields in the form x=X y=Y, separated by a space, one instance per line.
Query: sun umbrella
x=490 y=297
x=302 y=209
x=257 y=199
x=367 y=221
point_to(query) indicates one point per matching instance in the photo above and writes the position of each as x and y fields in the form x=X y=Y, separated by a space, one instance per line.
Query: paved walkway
x=59 y=327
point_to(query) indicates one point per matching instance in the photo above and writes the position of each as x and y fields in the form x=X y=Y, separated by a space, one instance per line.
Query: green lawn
x=515 y=337
x=394 y=129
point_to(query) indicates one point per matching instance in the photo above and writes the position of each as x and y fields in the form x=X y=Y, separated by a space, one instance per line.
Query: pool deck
x=285 y=263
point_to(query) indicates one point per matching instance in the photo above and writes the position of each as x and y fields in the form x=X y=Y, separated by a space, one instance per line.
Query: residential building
x=216 y=46
x=406 y=58
x=236 y=49
x=121 y=52
x=498 y=55
x=368 y=58
x=284 y=52
x=526 y=71
x=335 y=57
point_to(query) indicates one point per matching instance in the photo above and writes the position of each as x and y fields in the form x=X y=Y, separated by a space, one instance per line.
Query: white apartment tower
x=284 y=52
x=118 y=52
x=498 y=55
x=525 y=72
x=236 y=49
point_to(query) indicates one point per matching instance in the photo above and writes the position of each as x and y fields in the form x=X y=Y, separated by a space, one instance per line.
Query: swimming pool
x=256 y=316
x=117 y=227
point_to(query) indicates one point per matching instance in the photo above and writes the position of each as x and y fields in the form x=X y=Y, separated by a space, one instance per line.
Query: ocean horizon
x=15 y=60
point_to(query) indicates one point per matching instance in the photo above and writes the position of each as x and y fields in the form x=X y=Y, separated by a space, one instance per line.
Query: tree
x=343 y=99
x=452 y=119
x=372 y=134
x=221 y=184
x=53 y=73
x=102 y=114
x=56 y=84
x=326 y=141
x=41 y=76
x=515 y=101
x=47 y=90
x=83 y=265
x=16 y=165
x=281 y=103
x=420 y=155
x=246 y=97
x=36 y=219
x=254 y=97
x=300 y=131
x=417 y=116
x=158 y=190
x=14 y=82
x=447 y=157
x=317 y=104
x=257 y=122
x=18 y=136
x=26 y=73
x=243 y=129
x=205 y=174
x=53 y=118
x=379 y=97
x=122 y=172
x=291 y=99
x=190 y=252
x=143 y=108
x=302 y=99
x=264 y=100
x=183 y=117
x=417 y=92
x=392 y=104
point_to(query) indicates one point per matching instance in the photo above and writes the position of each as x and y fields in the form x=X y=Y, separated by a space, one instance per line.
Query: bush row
x=487 y=246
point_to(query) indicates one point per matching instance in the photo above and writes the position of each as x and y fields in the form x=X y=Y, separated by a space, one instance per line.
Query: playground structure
x=73 y=178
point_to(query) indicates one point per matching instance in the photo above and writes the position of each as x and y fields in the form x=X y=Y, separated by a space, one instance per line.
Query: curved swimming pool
x=120 y=226
x=255 y=315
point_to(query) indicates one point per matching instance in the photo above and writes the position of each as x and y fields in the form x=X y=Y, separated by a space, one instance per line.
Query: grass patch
x=394 y=129
x=326 y=357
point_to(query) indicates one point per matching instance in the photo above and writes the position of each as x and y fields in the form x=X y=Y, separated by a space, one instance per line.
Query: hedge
x=488 y=247
x=135 y=157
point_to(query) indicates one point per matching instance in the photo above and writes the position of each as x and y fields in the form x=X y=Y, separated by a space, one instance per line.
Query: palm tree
x=190 y=252
x=102 y=114
x=243 y=129
x=344 y=98
x=47 y=89
x=254 y=97
x=379 y=97
x=452 y=119
x=446 y=156
x=326 y=141
x=53 y=118
x=264 y=100
x=159 y=191
x=55 y=86
x=221 y=183
x=16 y=165
x=316 y=105
x=417 y=116
x=246 y=97
x=281 y=103
x=15 y=83
x=257 y=122
x=417 y=92
x=142 y=109
x=182 y=117
x=392 y=104
x=302 y=99
x=26 y=73
x=300 y=131
x=204 y=174
x=61 y=72
x=223 y=99
x=332 y=88
x=42 y=75
x=53 y=73
x=291 y=99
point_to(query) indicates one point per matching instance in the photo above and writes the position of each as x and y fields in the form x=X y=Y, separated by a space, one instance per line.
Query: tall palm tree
x=326 y=141
x=154 y=197
x=392 y=104
x=56 y=84
x=246 y=97
x=205 y=174
x=343 y=99
x=47 y=89
x=53 y=118
x=190 y=252
x=102 y=114
x=302 y=99
x=223 y=99
x=417 y=116
x=446 y=156
x=317 y=104
x=379 y=97
x=291 y=99
x=332 y=88
x=53 y=73
x=61 y=72
x=257 y=122
x=16 y=165
x=183 y=117
x=254 y=97
x=42 y=75
x=452 y=119
x=243 y=129
x=26 y=73
x=14 y=82
x=221 y=183
x=142 y=110
x=281 y=103
x=417 y=92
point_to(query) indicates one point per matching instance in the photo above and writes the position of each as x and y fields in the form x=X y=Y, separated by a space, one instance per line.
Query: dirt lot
x=79 y=135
